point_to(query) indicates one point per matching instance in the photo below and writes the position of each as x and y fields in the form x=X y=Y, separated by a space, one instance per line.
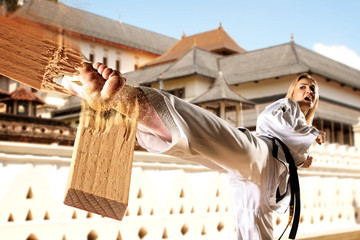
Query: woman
x=258 y=175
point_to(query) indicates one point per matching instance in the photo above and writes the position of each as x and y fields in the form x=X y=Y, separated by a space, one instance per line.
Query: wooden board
x=35 y=56
x=100 y=170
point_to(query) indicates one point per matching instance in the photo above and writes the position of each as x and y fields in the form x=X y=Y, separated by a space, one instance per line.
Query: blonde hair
x=309 y=116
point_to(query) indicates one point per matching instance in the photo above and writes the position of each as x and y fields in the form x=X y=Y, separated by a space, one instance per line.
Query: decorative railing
x=35 y=130
x=169 y=198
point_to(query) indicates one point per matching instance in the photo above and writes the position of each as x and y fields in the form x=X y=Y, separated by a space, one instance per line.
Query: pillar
x=222 y=110
x=356 y=129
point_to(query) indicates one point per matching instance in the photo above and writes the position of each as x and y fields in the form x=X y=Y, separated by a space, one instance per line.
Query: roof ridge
x=221 y=86
x=180 y=58
x=298 y=60
x=193 y=49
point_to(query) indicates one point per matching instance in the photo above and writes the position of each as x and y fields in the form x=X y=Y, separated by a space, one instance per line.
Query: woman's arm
x=285 y=120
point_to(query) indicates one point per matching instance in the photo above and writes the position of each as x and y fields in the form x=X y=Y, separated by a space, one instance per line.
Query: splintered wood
x=35 y=56
x=100 y=171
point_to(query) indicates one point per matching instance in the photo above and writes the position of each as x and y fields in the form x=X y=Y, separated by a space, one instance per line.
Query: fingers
x=106 y=73
x=103 y=70
x=112 y=86
x=102 y=80
x=307 y=162
x=321 y=138
x=96 y=65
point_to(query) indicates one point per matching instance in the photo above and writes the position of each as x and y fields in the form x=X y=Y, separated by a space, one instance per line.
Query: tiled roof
x=88 y=24
x=194 y=61
x=220 y=91
x=281 y=60
x=23 y=93
x=146 y=75
x=285 y=59
x=214 y=41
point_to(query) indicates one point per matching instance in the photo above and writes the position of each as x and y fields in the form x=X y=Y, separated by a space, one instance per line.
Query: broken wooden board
x=35 y=56
x=100 y=171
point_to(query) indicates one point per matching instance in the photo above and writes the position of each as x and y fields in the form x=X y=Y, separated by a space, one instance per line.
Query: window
x=178 y=92
x=117 y=65
x=91 y=57
x=136 y=65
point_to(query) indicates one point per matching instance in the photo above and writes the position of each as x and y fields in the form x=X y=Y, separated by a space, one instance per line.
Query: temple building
x=171 y=198
x=260 y=76
x=19 y=122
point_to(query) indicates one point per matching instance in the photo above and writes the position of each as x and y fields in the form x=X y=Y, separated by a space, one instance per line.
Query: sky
x=329 y=27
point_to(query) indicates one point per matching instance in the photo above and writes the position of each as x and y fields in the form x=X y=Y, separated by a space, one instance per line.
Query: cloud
x=339 y=53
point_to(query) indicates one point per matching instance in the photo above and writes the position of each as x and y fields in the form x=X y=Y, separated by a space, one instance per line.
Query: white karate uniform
x=254 y=175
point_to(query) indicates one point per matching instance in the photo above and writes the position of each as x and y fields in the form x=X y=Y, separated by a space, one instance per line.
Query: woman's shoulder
x=286 y=100
x=283 y=102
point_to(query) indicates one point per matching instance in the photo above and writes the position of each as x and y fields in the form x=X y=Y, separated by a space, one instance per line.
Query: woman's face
x=304 y=94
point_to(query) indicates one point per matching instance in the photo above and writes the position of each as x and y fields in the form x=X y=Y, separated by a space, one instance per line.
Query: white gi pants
x=200 y=136
x=251 y=198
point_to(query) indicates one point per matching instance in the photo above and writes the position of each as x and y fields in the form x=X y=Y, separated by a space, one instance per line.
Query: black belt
x=294 y=214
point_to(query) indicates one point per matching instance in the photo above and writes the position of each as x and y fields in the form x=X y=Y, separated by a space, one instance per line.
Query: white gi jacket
x=254 y=175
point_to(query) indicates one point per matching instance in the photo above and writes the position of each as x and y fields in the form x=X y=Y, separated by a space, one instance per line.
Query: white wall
x=178 y=198
x=128 y=58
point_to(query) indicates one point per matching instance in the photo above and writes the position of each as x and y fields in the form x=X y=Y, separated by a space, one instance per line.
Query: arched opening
x=165 y=234
x=29 y=216
x=119 y=237
x=47 y=216
x=142 y=232
x=217 y=193
x=139 y=195
x=92 y=235
x=182 y=194
x=203 y=231
x=29 y=194
x=11 y=218
x=220 y=226
x=139 y=213
x=32 y=237
x=184 y=229
x=182 y=210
